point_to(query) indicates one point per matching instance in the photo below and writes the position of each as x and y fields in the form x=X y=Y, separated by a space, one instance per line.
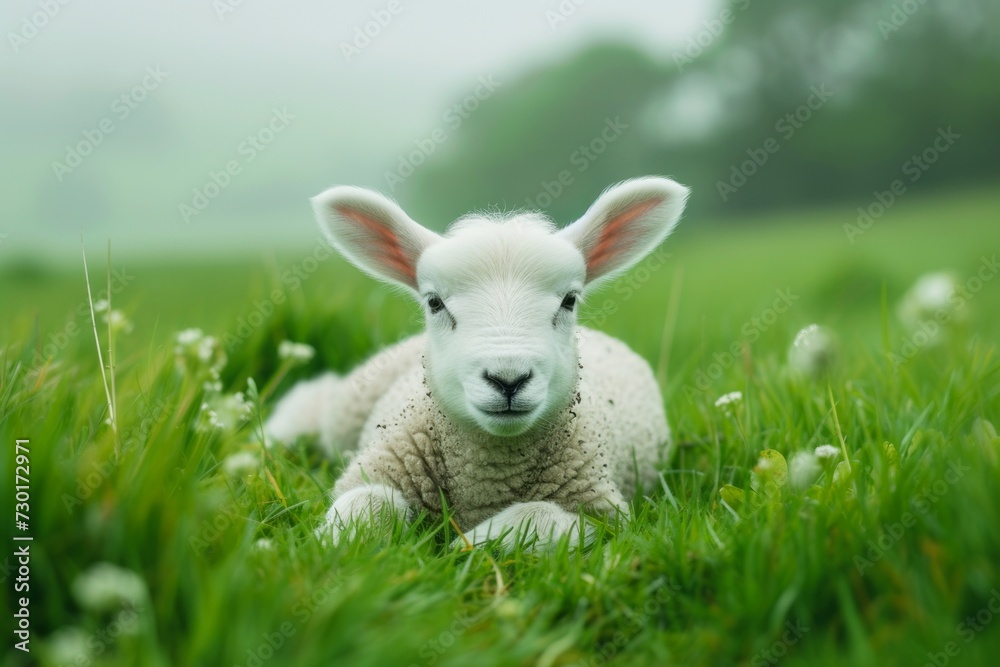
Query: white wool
x=505 y=408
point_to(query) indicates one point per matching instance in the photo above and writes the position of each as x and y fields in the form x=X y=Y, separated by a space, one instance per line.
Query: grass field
x=897 y=562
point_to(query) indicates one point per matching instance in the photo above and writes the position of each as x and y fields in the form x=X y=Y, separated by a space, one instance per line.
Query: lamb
x=504 y=409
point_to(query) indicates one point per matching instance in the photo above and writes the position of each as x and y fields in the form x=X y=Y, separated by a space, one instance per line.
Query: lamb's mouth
x=509 y=413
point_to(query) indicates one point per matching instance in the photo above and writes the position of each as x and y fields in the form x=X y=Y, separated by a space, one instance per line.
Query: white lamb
x=504 y=409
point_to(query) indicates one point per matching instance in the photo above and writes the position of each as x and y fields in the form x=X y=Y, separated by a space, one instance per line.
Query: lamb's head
x=500 y=295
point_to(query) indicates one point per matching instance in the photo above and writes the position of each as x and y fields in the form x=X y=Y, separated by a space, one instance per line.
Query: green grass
x=688 y=581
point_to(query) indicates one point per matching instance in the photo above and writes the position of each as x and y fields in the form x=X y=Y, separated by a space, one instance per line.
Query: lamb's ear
x=373 y=233
x=625 y=224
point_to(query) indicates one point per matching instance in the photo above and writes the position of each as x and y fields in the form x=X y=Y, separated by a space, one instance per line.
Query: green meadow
x=889 y=553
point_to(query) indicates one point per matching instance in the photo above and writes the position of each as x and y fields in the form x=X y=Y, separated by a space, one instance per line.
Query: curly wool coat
x=609 y=437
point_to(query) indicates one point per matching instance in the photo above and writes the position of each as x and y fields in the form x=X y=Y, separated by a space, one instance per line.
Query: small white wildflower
x=803 y=470
x=227 y=412
x=118 y=321
x=932 y=298
x=827 y=452
x=105 y=587
x=215 y=386
x=728 y=399
x=206 y=348
x=263 y=544
x=68 y=646
x=199 y=354
x=240 y=464
x=101 y=305
x=813 y=351
x=189 y=336
x=297 y=352
x=934 y=290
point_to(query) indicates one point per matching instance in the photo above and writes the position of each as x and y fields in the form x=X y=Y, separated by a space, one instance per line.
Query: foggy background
x=829 y=100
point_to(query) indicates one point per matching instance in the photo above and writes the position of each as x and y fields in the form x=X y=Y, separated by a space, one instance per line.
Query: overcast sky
x=60 y=71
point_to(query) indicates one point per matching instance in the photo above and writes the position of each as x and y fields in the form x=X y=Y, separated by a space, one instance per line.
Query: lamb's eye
x=569 y=302
x=435 y=304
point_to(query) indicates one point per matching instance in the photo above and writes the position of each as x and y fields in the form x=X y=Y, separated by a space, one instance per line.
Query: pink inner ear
x=385 y=245
x=617 y=235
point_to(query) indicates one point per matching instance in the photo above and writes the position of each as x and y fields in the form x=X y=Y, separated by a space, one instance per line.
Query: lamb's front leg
x=537 y=523
x=367 y=505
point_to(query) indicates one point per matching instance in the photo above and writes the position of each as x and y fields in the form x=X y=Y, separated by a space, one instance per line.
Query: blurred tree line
x=769 y=105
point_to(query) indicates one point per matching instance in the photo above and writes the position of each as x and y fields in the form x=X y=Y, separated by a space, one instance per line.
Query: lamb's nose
x=508 y=387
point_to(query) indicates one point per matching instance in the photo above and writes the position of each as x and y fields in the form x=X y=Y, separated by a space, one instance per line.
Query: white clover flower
x=68 y=646
x=813 y=351
x=241 y=464
x=105 y=587
x=728 y=399
x=934 y=297
x=803 y=470
x=101 y=305
x=297 y=352
x=827 y=452
x=118 y=321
